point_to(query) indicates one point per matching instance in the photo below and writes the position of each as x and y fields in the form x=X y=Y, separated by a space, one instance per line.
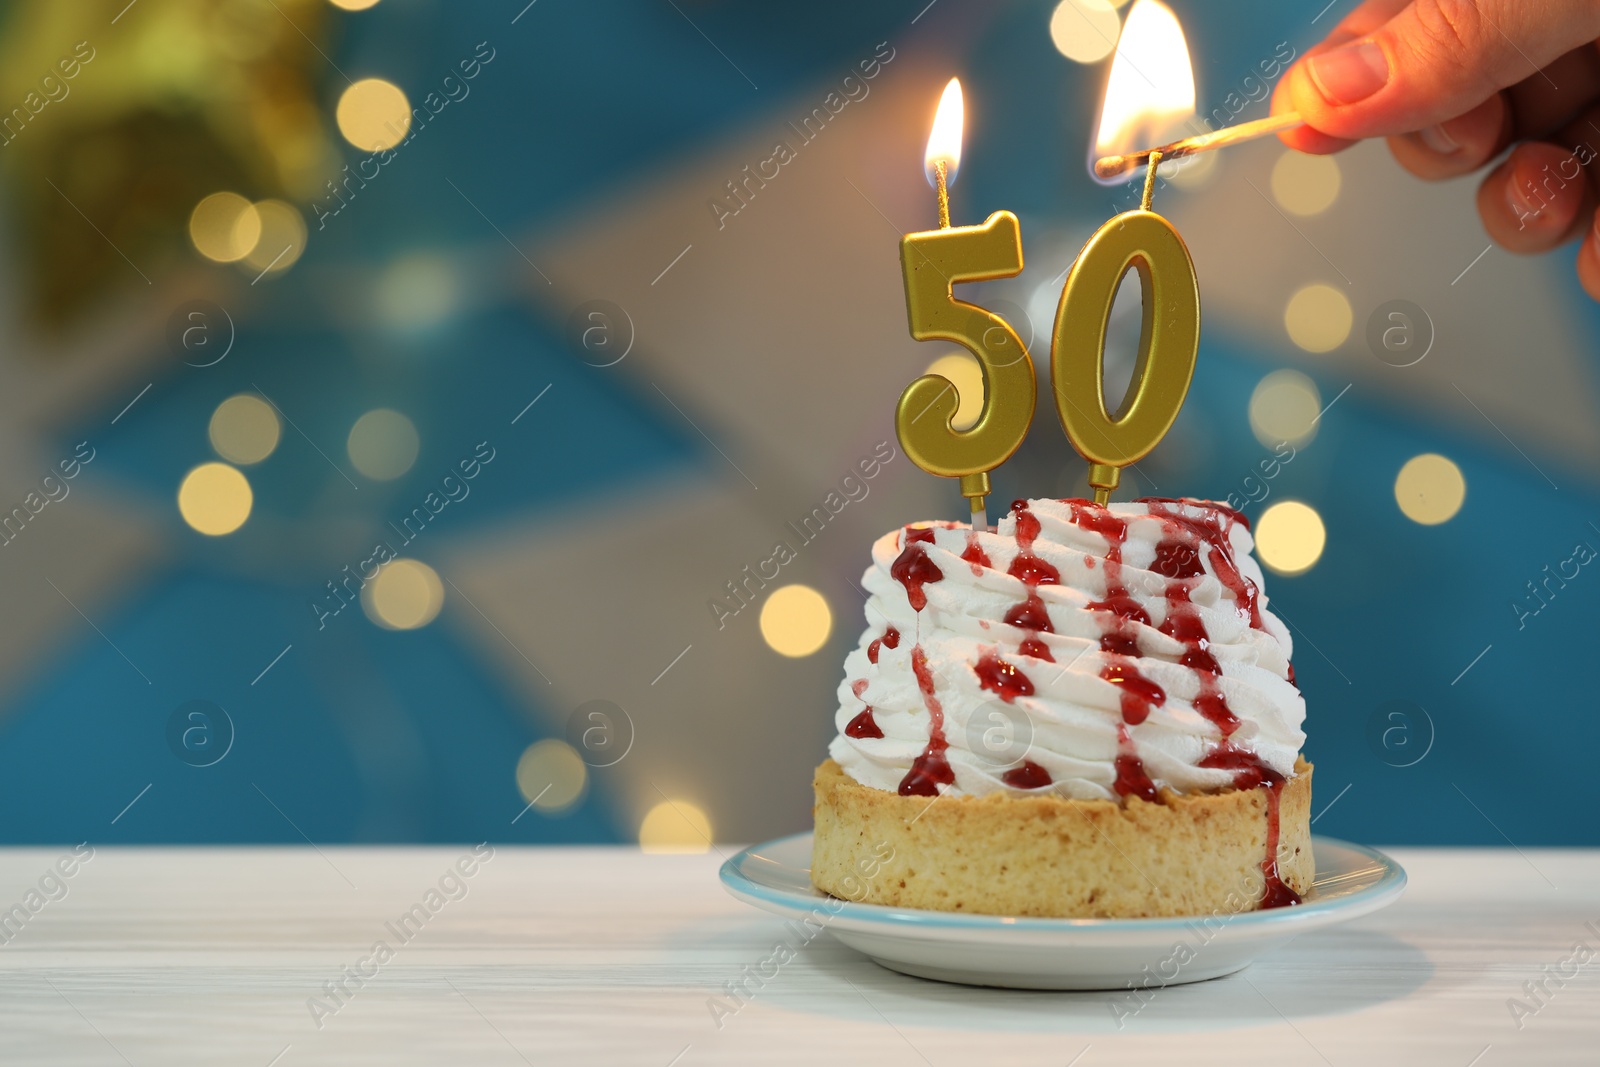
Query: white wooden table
x=606 y=956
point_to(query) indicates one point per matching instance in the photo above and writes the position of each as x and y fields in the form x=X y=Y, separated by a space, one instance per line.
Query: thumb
x=1434 y=60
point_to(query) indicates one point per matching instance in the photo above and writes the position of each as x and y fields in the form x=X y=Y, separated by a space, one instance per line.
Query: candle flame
x=944 y=142
x=1150 y=90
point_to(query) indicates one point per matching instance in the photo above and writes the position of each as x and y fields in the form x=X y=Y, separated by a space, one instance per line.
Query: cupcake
x=1090 y=712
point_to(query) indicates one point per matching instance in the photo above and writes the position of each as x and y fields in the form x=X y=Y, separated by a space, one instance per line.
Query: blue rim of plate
x=733 y=876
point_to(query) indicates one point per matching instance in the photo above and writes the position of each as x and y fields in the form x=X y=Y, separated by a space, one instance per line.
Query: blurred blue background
x=541 y=272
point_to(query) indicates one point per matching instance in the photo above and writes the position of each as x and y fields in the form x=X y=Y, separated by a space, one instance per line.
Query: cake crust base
x=1049 y=856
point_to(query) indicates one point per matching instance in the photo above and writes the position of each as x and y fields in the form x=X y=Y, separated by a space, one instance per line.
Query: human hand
x=1452 y=84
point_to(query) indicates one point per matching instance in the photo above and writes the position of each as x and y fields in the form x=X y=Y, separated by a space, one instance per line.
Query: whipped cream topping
x=1097 y=652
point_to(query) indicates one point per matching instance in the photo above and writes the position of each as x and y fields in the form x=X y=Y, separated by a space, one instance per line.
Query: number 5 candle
x=932 y=262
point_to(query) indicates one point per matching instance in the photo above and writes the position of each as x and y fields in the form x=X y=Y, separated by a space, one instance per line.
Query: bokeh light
x=383 y=444
x=354 y=5
x=1085 y=30
x=1290 y=537
x=415 y=291
x=1318 y=318
x=406 y=595
x=675 y=826
x=224 y=227
x=1284 y=407
x=1430 y=489
x=282 y=240
x=1305 y=184
x=551 y=776
x=244 y=429
x=795 y=620
x=963 y=372
x=373 y=114
x=1192 y=172
x=215 y=499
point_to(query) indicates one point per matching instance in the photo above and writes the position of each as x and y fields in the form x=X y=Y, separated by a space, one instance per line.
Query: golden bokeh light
x=1284 y=407
x=1085 y=31
x=373 y=114
x=675 y=826
x=1290 y=537
x=282 y=240
x=552 y=776
x=215 y=499
x=1318 y=318
x=964 y=372
x=795 y=620
x=1304 y=184
x=244 y=429
x=383 y=444
x=354 y=5
x=406 y=595
x=1430 y=489
x=224 y=227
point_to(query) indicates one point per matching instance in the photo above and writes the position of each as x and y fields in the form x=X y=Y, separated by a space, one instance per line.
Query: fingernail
x=1519 y=201
x=1349 y=74
x=1438 y=139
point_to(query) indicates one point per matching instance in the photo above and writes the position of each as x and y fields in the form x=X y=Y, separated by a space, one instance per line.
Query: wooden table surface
x=606 y=956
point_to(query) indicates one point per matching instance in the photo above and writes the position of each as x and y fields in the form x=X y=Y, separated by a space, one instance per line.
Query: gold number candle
x=1169 y=340
x=932 y=262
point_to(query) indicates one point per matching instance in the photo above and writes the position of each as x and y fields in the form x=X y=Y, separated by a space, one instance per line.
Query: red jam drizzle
x=1183 y=623
x=863 y=725
x=1028 y=776
x=1189 y=542
x=1036 y=648
x=998 y=676
x=1275 y=892
x=1207 y=531
x=975 y=555
x=858 y=687
x=1177 y=559
x=931 y=769
x=1132 y=781
x=1237 y=517
x=1251 y=773
x=890 y=639
x=1027 y=567
x=1120 y=638
x=1031 y=614
x=1211 y=704
x=1033 y=571
x=1139 y=694
x=1097 y=518
x=913 y=569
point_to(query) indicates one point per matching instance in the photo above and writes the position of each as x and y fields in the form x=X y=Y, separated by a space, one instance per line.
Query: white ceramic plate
x=1025 y=953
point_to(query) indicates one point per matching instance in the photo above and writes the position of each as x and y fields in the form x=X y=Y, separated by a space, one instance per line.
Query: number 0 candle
x=1145 y=243
x=1169 y=341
